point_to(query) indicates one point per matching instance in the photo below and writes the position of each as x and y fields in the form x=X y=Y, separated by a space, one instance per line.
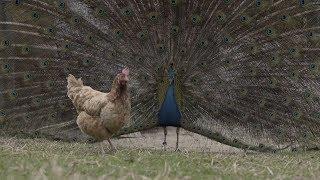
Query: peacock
x=244 y=73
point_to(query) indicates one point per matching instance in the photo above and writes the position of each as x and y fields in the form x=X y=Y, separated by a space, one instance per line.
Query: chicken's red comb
x=125 y=71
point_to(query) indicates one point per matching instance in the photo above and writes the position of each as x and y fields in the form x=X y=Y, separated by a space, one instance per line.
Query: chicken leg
x=103 y=144
x=113 y=149
x=103 y=152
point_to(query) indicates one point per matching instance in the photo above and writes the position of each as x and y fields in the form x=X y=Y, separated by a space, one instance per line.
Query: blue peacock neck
x=169 y=113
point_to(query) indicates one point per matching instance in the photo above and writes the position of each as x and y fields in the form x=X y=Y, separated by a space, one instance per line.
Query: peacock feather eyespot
x=262 y=103
x=142 y=35
x=261 y=146
x=196 y=19
x=5 y=43
x=153 y=16
x=2 y=114
x=50 y=30
x=203 y=43
x=254 y=49
x=175 y=30
x=316 y=115
x=25 y=50
x=161 y=48
x=312 y=66
x=294 y=75
x=243 y=92
x=270 y=32
x=227 y=1
x=28 y=77
x=53 y=115
x=294 y=52
x=235 y=141
x=183 y=50
x=100 y=12
x=245 y=19
x=75 y=20
x=258 y=3
x=309 y=97
x=66 y=47
x=174 y=2
x=227 y=39
x=127 y=11
x=13 y=94
x=91 y=39
x=114 y=54
x=273 y=82
x=307 y=94
x=35 y=15
x=272 y=115
x=221 y=17
x=50 y=84
x=86 y=62
x=67 y=70
x=297 y=115
x=227 y=62
x=6 y=67
x=302 y=2
x=284 y=17
x=61 y=5
x=2 y=117
x=18 y=2
x=119 y=34
x=275 y=60
x=36 y=101
x=44 y=63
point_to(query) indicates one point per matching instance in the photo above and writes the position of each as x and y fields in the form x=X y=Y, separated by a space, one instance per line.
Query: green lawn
x=27 y=159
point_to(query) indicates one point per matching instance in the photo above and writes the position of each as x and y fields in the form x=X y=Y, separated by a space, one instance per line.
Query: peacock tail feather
x=247 y=71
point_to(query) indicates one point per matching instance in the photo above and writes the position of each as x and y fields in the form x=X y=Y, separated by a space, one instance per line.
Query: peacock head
x=123 y=77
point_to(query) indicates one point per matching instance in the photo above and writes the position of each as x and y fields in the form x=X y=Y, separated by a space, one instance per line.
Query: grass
x=42 y=159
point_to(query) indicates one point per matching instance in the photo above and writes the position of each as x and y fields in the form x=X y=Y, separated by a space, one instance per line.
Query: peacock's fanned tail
x=247 y=71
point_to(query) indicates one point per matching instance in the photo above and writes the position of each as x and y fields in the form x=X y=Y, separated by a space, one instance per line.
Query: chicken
x=101 y=115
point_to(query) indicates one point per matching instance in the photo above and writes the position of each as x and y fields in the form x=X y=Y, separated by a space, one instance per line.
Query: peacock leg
x=165 y=137
x=177 y=143
x=113 y=149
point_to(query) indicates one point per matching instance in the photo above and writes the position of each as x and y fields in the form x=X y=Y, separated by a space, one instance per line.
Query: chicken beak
x=126 y=78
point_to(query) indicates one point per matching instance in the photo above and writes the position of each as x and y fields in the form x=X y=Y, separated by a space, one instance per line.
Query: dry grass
x=42 y=159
